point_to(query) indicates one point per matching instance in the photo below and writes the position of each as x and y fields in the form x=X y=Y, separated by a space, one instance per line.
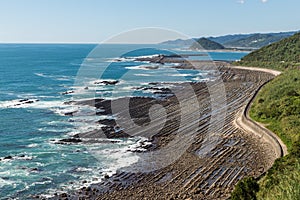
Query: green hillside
x=280 y=55
x=258 y=40
x=204 y=43
x=242 y=41
x=278 y=107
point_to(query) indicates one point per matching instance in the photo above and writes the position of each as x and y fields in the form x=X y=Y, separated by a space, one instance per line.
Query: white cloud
x=243 y=1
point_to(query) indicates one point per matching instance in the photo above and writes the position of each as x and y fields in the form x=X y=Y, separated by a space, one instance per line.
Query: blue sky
x=85 y=21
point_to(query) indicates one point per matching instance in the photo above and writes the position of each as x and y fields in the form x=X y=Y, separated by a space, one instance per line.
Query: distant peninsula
x=206 y=44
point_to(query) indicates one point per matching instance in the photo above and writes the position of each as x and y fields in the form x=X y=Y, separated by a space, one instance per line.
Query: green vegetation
x=257 y=40
x=280 y=55
x=207 y=44
x=243 y=41
x=245 y=190
x=278 y=107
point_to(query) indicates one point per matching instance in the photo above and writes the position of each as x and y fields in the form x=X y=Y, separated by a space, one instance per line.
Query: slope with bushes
x=258 y=40
x=281 y=55
x=278 y=107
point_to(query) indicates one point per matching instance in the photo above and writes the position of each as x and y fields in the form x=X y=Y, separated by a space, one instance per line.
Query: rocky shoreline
x=195 y=175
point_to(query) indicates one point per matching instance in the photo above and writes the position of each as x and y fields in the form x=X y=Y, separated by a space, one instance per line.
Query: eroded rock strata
x=197 y=174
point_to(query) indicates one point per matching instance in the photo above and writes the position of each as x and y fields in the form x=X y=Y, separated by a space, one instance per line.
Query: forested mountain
x=252 y=41
x=204 y=43
x=279 y=55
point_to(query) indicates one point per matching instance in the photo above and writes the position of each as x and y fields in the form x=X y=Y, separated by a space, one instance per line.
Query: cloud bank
x=243 y=1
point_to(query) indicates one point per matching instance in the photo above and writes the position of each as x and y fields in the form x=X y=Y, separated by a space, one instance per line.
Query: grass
x=278 y=107
x=281 y=181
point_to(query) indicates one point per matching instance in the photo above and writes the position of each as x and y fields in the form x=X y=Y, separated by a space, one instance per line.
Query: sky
x=93 y=21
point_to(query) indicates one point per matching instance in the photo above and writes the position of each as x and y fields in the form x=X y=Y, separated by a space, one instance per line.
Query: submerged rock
x=22 y=100
x=68 y=92
x=71 y=113
x=7 y=158
x=113 y=82
x=68 y=140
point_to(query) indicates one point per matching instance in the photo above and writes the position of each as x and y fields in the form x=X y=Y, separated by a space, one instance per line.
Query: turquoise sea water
x=39 y=74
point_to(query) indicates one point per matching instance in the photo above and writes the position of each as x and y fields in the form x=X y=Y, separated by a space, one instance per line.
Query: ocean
x=35 y=82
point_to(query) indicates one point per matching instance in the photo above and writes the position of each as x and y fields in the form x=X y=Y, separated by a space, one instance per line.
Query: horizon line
x=194 y=37
x=70 y=43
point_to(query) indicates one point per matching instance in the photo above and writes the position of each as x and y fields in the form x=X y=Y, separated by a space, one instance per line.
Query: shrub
x=246 y=189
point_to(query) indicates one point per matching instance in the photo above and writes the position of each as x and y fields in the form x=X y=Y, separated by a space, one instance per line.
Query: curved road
x=244 y=122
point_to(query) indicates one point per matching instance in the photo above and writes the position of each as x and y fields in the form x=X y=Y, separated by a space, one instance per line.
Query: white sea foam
x=55 y=77
x=4 y=182
x=18 y=103
x=129 y=59
x=112 y=157
x=53 y=130
x=40 y=74
x=180 y=75
x=25 y=157
x=143 y=67
x=21 y=157
x=120 y=59
x=147 y=56
x=100 y=82
x=119 y=157
x=201 y=79
x=143 y=74
x=136 y=67
x=57 y=107
x=32 y=145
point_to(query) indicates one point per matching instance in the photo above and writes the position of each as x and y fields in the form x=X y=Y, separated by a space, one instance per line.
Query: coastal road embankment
x=244 y=121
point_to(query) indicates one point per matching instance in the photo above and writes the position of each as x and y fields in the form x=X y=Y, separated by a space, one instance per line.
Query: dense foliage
x=207 y=44
x=280 y=55
x=245 y=190
x=278 y=107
